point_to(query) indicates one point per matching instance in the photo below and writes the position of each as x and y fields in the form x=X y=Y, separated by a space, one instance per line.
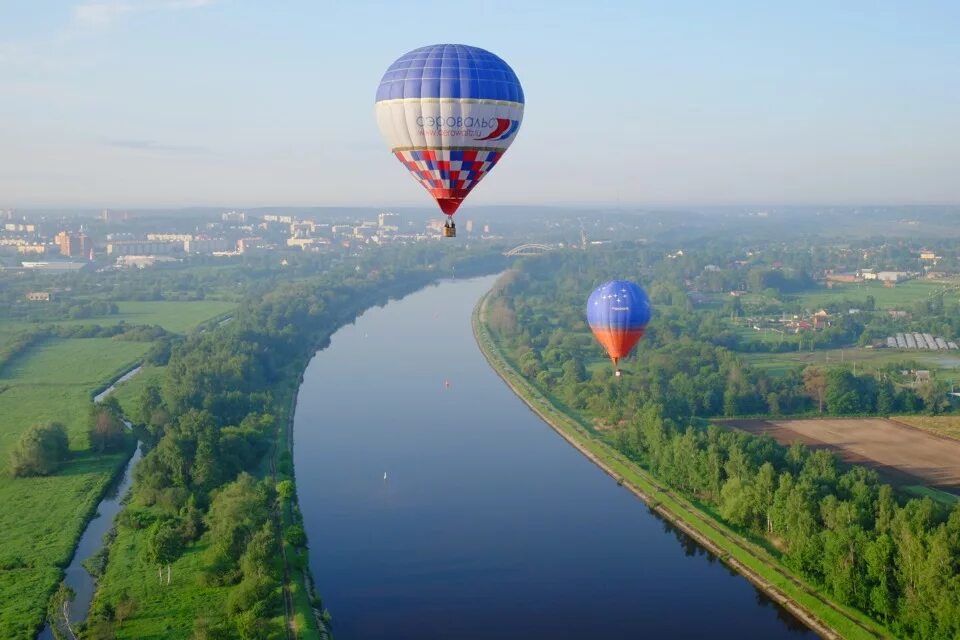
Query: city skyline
x=219 y=103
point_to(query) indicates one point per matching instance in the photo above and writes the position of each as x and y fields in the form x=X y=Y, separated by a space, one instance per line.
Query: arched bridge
x=529 y=249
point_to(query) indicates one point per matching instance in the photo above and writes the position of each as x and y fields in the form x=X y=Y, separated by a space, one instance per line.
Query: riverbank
x=746 y=558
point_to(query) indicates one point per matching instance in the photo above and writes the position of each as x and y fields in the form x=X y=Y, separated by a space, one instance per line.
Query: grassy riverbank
x=42 y=517
x=53 y=379
x=748 y=558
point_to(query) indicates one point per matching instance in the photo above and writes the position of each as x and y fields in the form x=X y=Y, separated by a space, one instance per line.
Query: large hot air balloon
x=617 y=312
x=448 y=112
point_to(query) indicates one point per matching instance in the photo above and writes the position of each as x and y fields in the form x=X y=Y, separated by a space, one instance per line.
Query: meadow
x=175 y=316
x=946 y=364
x=54 y=380
x=901 y=296
x=43 y=517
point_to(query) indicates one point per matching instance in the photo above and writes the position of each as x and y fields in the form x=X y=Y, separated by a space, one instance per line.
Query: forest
x=839 y=527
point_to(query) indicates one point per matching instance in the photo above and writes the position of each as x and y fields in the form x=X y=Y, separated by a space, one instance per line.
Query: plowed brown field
x=906 y=453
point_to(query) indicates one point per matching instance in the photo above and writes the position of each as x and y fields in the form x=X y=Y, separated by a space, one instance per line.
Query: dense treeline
x=215 y=417
x=893 y=558
x=682 y=362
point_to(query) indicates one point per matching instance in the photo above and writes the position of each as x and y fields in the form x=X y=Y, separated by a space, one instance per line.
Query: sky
x=142 y=103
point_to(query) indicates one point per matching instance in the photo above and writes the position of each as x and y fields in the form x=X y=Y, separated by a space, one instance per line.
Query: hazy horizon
x=194 y=103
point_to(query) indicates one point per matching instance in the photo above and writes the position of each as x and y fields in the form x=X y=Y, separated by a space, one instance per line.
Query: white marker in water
x=384 y=476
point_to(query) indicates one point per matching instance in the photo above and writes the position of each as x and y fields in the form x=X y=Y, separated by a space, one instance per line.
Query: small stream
x=76 y=575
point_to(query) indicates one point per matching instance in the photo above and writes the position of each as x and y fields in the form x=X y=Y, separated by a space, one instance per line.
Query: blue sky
x=245 y=102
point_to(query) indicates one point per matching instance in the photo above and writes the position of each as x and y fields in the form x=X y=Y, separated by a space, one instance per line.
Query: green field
x=179 y=317
x=42 y=517
x=901 y=296
x=946 y=365
x=164 y=611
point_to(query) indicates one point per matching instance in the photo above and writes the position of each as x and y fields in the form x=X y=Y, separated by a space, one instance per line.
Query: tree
x=261 y=552
x=125 y=607
x=150 y=401
x=105 y=427
x=40 y=451
x=285 y=490
x=238 y=510
x=815 y=384
x=934 y=396
x=163 y=546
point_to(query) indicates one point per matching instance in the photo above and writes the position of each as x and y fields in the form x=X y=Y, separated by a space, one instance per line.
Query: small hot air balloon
x=448 y=112
x=617 y=312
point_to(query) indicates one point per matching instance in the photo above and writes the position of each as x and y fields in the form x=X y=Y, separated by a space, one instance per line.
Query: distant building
x=20 y=227
x=892 y=276
x=928 y=255
x=469 y=226
x=142 y=248
x=141 y=262
x=388 y=222
x=113 y=216
x=253 y=245
x=31 y=249
x=169 y=237
x=73 y=245
x=54 y=267
x=205 y=245
x=41 y=296
x=233 y=216
x=844 y=277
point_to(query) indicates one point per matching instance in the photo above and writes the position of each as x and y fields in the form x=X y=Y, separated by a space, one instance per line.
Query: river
x=488 y=524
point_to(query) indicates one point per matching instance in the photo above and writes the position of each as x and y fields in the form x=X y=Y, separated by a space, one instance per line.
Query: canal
x=488 y=524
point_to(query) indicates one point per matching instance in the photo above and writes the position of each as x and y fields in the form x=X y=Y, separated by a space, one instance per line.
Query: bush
x=296 y=535
x=41 y=450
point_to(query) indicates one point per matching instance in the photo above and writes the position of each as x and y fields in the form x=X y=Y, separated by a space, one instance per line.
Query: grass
x=42 y=518
x=162 y=611
x=175 y=316
x=922 y=491
x=744 y=556
x=901 y=296
x=948 y=426
x=945 y=364
x=128 y=393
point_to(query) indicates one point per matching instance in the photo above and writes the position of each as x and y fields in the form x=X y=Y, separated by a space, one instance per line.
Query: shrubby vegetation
x=40 y=451
x=842 y=529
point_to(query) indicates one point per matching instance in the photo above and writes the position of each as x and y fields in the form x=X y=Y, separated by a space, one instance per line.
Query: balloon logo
x=618 y=312
x=449 y=112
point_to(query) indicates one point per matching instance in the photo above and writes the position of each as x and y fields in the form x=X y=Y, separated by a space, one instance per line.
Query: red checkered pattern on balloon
x=449 y=173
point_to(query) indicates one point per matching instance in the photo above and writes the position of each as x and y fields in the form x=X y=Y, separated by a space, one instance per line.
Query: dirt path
x=909 y=455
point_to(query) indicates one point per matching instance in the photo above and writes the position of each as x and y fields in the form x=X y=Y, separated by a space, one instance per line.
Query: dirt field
x=906 y=454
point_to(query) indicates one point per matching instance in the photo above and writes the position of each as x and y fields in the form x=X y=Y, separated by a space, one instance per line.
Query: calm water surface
x=489 y=525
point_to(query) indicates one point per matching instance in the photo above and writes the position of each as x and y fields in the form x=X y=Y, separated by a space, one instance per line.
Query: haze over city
x=133 y=103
